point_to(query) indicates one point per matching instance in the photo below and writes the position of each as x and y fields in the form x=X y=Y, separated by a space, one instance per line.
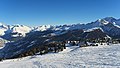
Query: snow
x=20 y=29
x=92 y=29
x=3 y=28
x=102 y=56
x=116 y=25
x=7 y=29
x=103 y=22
x=2 y=32
x=42 y=28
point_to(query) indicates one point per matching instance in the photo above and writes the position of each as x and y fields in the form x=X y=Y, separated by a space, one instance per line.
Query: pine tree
x=64 y=46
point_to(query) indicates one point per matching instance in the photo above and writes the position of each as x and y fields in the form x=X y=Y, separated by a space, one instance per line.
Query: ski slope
x=102 y=56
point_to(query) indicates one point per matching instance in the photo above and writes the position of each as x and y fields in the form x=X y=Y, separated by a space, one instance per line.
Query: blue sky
x=55 y=12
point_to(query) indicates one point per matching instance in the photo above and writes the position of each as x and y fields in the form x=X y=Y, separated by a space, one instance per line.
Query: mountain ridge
x=108 y=24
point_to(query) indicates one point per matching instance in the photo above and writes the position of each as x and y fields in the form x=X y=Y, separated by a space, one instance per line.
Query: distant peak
x=110 y=19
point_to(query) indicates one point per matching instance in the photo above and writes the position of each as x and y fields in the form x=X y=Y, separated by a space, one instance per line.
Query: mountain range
x=26 y=38
x=109 y=25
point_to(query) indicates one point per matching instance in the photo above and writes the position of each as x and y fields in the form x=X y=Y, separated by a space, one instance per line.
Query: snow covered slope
x=107 y=56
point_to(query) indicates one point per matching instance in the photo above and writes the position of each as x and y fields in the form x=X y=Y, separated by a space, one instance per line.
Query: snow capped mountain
x=109 y=25
x=9 y=31
x=103 y=22
x=20 y=30
x=5 y=29
x=112 y=20
x=42 y=28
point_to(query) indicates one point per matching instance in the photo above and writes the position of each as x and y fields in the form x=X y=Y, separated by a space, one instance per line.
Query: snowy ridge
x=92 y=29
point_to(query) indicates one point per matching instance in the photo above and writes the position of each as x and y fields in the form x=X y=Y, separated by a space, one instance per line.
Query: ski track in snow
x=102 y=56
